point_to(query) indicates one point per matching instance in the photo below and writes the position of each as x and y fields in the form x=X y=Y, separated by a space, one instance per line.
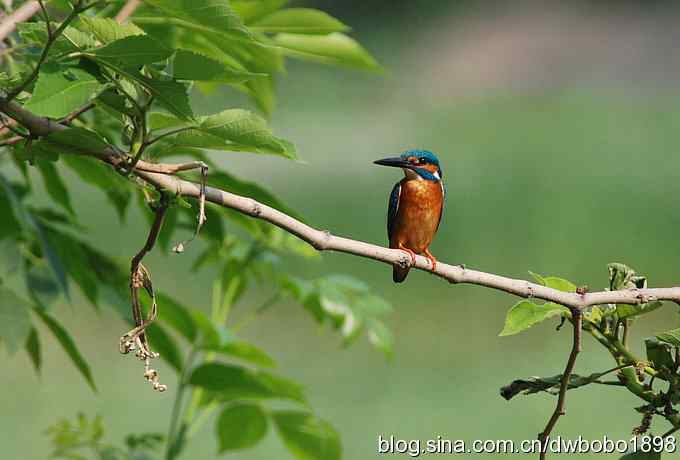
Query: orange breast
x=420 y=208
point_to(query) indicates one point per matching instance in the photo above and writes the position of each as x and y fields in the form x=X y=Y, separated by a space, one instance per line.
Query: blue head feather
x=425 y=157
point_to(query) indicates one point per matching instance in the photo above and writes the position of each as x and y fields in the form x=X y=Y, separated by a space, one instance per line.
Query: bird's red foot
x=411 y=254
x=431 y=258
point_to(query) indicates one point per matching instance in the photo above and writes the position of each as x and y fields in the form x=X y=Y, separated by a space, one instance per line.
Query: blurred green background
x=558 y=129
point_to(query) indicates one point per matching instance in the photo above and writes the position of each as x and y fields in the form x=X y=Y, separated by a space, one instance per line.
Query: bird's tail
x=399 y=273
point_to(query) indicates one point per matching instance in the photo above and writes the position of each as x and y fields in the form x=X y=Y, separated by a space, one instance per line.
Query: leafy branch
x=102 y=85
x=52 y=36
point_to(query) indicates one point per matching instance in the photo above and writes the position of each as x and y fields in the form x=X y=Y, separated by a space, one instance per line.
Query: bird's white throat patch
x=411 y=174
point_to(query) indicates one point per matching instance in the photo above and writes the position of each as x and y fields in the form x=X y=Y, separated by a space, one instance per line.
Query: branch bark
x=544 y=436
x=159 y=175
x=21 y=14
x=127 y=10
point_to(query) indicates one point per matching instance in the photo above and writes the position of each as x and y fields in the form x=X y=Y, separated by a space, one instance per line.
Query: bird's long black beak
x=396 y=162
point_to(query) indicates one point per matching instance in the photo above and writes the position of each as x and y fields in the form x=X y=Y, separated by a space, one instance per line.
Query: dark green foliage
x=124 y=89
x=610 y=326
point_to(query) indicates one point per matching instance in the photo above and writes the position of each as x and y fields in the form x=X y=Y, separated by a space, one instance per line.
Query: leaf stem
x=169 y=133
x=170 y=451
x=51 y=38
x=257 y=311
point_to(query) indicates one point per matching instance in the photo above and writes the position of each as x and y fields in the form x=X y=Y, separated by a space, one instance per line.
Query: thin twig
x=127 y=10
x=153 y=235
x=135 y=339
x=171 y=437
x=179 y=247
x=73 y=115
x=21 y=14
x=169 y=133
x=543 y=437
x=46 y=49
x=46 y=16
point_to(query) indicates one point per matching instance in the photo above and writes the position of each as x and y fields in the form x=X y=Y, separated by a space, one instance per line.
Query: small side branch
x=179 y=247
x=543 y=437
x=136 y=339
x=21 y=14
x=127 y=10
x=51 y=38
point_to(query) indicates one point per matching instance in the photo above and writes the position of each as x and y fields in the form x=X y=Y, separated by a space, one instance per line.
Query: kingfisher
x=415 y=206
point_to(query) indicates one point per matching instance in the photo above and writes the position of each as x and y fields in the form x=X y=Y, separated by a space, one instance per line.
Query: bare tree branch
x=159 y=176
x=544 y=436
x=127 y=10
x=21 y=14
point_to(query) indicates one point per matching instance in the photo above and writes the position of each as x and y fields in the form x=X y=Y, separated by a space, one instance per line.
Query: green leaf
x=629 y=311
x=299 y=21
x=251 y=10
x=33 y=349
x=335 y=48
x=380 y=337
x=233 y=130
x=31 y=226
x=554 y=282
x=131 y=52
x=209 y=335
x=96 y=173
x=176 y=315
x=161 y=120
x=559 y=283
x=244 y=351
x=108 y=30
x=306 y=436
x=188 y=65
x=71 y=39
x=68 y=345
x=659 y=354
x=112 y=100
x=672 y=337
x=73 y=139
x=538 y=278
x=525 y=314
x=76 y=262
x=15 y=322
x=622 y=276
x=42 y=286
x=166 y=347
x=234 y=382
x=204 y=15
x=170 y=94
x=9 y=227
x=61 y=90
x=241 y=426
x=56 y=188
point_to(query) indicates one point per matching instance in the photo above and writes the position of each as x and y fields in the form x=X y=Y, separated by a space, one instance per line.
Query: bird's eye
x=421 y=160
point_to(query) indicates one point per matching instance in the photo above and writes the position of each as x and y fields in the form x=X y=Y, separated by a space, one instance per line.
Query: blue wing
x=443 y=204
x=393 y=207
